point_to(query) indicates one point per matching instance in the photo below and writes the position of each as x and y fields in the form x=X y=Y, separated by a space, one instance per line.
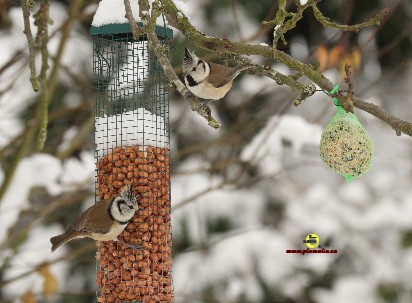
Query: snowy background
x=242 y=194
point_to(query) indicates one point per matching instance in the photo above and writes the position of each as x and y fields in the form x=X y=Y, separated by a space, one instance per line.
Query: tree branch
x=239 y=48
x=136 y=31
x=355 y=28
x=32 y=48
x=17 y=156
x=399 y=125
x=47 y=86
x=42 y=36
x=74 y=8
x=78 y=140
x=283 y=26
x=68 y=256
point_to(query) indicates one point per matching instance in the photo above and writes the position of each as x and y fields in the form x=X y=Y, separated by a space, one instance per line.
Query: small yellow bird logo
x=312 y=240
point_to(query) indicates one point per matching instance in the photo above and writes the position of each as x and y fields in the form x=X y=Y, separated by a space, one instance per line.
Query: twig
x=348 y=80
x=78 y=139
x=20 y=153
x=18 y=55
x=265 y=28
x=355 y=28
x=48 y=84
x=32 y=48
x=25 y=138
x=391 y=10
x=29 y=218
x=74 y=9
x=406 y=32
x=71 y=255
x=199 y=194
x=283 y=26
x=42 y=37
x=136 y=31
x=346 y=101
x=236 y=19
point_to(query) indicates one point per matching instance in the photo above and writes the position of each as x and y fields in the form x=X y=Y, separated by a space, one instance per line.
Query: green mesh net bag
x=345 y=146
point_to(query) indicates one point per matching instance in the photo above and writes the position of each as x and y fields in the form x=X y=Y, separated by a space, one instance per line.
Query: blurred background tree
x=242 y=194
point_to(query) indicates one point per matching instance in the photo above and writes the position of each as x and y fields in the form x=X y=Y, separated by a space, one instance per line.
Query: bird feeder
x=345 y=146
x=131 y=109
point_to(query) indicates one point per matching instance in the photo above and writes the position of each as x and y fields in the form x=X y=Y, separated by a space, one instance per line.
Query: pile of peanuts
x=126 y=274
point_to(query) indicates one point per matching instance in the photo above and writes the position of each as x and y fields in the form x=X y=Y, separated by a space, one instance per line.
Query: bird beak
x=188 y=55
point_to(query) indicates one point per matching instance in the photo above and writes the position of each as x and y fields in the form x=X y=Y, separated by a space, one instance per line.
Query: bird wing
x=221 y=75
x=95 y=219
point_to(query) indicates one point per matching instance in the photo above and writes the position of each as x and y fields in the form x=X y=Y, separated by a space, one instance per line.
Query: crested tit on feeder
x=208 y=80
x=103 y=221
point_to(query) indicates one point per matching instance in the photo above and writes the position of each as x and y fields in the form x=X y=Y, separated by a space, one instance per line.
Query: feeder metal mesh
x=132 y=147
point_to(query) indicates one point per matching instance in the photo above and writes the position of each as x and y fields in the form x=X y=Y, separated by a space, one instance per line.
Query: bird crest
x=127 y=193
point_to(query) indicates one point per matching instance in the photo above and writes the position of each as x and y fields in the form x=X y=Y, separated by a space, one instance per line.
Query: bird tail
x=59 y=240
x=241 y=68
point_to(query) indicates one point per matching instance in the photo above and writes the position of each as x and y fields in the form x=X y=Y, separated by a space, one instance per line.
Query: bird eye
x=193 y=69
x=123 y=202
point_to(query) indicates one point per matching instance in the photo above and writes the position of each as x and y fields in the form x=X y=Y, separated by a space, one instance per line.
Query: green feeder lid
x=124 y=28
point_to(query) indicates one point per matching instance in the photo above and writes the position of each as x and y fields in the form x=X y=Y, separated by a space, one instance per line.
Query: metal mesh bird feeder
x=132 y=147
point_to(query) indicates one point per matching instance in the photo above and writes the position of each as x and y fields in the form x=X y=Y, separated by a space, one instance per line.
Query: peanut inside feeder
x=128 y=274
